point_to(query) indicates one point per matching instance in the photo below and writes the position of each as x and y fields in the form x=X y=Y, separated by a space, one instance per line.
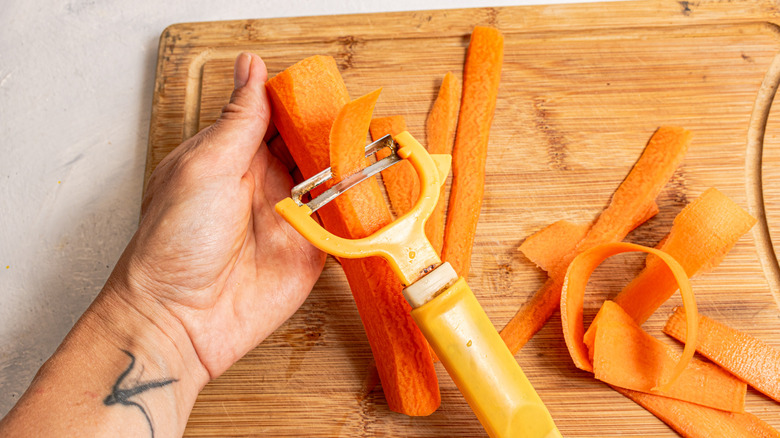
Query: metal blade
x=356 y=178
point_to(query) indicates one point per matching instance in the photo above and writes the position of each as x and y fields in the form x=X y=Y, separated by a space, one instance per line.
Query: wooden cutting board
x=583 y=88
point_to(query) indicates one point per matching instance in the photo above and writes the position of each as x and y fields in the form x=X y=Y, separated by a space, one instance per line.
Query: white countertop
x=76 y=84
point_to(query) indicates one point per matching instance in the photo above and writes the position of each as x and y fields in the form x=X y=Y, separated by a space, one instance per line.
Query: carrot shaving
x=573 y=295
x=481 y=76
x=348 y=136
x=401 y=180
x=549 y=246
x=632 y=203
x=695 y=421
x=702 y=233
x=440 y=134
x=748 y=358
x=626 y=356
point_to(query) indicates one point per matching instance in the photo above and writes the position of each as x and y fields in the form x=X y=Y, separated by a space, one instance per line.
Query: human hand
x=210 y=249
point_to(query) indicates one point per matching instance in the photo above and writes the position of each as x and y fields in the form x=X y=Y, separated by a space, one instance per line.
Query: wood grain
x=583 y=88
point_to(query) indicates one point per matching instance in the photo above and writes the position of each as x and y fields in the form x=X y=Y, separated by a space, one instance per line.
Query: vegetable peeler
x=443 y=307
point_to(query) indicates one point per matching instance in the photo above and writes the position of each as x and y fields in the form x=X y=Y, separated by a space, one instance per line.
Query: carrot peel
x=573 y=294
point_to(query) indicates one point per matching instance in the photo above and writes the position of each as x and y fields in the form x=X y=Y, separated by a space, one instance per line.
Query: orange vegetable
x=348 y=136
x=695 y=421
x=546 y=248
x=306 y=100
x=573 y=294
x=626 y=356
x=632 y=203
x=746 y=357
x=481 y=75
x=401 y=180
x=440 y=129
x=702 y=233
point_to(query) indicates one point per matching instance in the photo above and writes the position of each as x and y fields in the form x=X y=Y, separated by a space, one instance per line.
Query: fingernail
x=241 y=70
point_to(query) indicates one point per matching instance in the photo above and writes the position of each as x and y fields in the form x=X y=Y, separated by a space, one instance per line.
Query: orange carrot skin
x=661 y=156
x=748 y=358
x=702 y=232
x=547 y=247
x=481 y=76
x=695 y=421
x=347 y=136
x=628 y=357
x=440 y=134
x=304 y=119
x=401 y=180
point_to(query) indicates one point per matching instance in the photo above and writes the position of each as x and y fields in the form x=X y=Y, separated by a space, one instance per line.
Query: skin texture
x=210 y=273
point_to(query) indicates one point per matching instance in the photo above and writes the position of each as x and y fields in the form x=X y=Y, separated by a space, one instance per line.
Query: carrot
x=702 y=233
x=546 y=248
x=481 y=75
x=746 y=357
x=695 y=421
x=401 y=180
x=632 y=203
x=626 y=356
x=440 y=133
x=348 y=136
x=306 y=100
x=573 y=294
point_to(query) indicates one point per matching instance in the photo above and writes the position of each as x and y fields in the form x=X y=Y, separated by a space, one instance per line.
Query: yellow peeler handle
x=482 y=366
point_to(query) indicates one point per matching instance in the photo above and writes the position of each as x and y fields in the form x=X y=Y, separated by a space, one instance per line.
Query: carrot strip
x=704 y=231
x=748 y=358
x=637 y=193
x=481 y=75
x=626 y=356
x=632 y=203
x=695 y=421
x=306 y=99
x=348 y=136
x=547 y=247
x=573 y=295
x=440 y=134
x=401 y=180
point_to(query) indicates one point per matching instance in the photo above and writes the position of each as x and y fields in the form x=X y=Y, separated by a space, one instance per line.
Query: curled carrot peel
x=626 y=356
x=573 y=295
x=632 y=203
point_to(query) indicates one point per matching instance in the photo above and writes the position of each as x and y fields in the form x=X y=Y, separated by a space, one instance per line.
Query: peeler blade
x=342 y=186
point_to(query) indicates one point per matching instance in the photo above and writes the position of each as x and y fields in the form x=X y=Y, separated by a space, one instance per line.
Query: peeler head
x=402 y=242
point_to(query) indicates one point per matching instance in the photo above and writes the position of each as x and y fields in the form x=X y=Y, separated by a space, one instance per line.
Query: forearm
x=123 y=370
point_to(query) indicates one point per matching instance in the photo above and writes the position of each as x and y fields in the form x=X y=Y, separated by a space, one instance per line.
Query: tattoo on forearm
x=123 y=396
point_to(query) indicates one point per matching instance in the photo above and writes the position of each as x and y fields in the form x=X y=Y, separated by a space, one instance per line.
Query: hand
x=210 y=248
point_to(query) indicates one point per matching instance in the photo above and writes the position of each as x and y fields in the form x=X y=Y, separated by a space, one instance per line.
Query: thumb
x=232 y=141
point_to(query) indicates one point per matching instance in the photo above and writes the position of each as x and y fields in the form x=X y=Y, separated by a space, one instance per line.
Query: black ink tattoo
x=122 y=396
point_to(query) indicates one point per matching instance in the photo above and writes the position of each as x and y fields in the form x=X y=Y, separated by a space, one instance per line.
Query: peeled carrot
x=401 y=180
x=481 y=75
x=440 y=134
x=702 y=232
x=348 y=136
x=573 y=295
x=695 y=421
x=626 y=356
x=306 y=99
x=632 y=203
x=748 y=358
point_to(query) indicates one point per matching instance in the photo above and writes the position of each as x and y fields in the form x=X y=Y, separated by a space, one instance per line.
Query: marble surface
x=76 y=84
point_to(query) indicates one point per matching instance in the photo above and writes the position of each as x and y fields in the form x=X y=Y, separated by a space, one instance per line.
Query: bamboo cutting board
x=583 y=88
